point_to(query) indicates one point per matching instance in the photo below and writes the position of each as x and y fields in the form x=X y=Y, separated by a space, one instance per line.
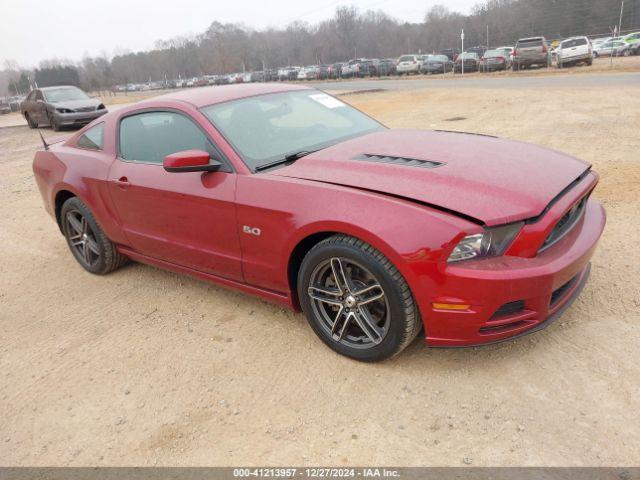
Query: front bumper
x=77 y=118
x=541 y=286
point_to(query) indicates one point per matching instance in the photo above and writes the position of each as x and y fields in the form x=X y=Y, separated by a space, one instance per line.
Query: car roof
x=530 y=39
x=201 y=97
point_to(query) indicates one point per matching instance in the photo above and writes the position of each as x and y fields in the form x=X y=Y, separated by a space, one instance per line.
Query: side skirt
x=271 y=296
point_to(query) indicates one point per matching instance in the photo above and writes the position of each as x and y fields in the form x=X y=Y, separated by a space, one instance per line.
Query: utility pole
x=620 y=21
x=462 y=50
x=487 y=35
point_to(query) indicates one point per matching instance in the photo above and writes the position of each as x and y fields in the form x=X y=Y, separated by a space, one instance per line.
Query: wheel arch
x=60 y=198
x=315 y=234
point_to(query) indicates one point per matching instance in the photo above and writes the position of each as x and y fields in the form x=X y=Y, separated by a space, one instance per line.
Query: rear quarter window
x=92 y=139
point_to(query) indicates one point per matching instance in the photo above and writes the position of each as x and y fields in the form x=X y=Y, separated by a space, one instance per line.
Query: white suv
x=574 y=50
x=409 y=64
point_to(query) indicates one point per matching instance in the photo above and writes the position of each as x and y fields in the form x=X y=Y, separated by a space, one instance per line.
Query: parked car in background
x=507 y=51
x=15 y=102
x=634 y=48
x=335 y=70
x=531 y=51
x=452 y=53
x=222 y=80
x=574 y=50
x=387 y=66
x=283 y=74
x=60 y=107
x=5 y=107
x=493 y=60
x=470 y=61
x=408 y=64
x=311 y=72
x=614 y=46
x=322 y=72
x=632 y=38
x=288 y=73
x=351 y=68
x=437 y=64
x=368 y=67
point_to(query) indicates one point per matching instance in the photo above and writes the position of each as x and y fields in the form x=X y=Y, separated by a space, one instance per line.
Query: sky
x=35 y=30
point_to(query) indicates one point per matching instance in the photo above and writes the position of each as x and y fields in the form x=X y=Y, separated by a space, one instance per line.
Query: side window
x=149 y=137
x=92 y=139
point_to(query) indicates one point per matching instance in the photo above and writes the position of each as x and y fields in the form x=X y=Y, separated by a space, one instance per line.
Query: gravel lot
x=145 y=367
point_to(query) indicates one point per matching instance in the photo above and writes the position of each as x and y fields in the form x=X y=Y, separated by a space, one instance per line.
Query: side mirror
x=190 y=161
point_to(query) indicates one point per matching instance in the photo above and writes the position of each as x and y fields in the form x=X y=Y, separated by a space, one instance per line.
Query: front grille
x=85 y=109
x=507 y=309
x=404 y=161
x=565 y=224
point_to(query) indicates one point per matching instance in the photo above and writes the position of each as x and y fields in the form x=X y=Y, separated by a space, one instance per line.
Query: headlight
x=491 y=243
x=64 y=110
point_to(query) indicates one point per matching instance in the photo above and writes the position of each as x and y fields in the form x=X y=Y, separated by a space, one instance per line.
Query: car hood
x=73 y=104
x=491 y=180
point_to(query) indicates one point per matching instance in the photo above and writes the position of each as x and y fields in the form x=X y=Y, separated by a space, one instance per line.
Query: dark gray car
x=58 y=107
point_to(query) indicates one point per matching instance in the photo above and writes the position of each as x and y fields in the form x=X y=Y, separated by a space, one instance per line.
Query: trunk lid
x=492 y=180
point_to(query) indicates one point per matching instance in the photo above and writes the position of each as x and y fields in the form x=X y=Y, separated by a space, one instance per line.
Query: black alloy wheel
x=86 y=240
x=356 y=300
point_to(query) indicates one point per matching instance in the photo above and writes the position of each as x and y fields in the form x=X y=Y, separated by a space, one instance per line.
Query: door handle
x=123 y=183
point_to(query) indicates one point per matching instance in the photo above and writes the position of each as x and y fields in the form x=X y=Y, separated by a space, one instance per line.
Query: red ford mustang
x=290 y=194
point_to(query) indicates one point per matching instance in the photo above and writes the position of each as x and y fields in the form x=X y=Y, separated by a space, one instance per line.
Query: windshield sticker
x=327 y=100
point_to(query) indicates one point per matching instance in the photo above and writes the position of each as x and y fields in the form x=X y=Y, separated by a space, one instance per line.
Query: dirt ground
x=145 y=367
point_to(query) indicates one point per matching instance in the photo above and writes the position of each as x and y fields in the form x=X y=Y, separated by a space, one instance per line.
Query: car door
x=187 y=218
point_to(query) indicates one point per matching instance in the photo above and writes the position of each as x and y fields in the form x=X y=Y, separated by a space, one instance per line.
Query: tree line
x=349 y=33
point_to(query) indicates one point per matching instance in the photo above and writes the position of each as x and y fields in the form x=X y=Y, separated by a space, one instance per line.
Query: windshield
x=267 y=128
x=64 y=95
x=467 y=56
x=493 y=53
x=438 y=58
x=406 y=58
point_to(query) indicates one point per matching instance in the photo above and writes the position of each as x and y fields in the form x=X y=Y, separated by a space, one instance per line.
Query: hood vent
x=404 y=161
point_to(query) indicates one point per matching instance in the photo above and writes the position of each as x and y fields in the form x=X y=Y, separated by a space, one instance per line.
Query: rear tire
x=86 y=240
x=367 y=312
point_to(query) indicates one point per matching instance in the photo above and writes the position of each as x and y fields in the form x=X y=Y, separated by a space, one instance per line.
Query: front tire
x=356 y=300
x=53 y=124
x=87 y=242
